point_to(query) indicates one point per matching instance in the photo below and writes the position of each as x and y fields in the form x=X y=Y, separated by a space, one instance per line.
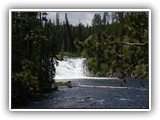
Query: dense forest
x=116 y=44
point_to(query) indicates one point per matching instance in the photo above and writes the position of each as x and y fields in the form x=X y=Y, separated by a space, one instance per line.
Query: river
x=90 y=92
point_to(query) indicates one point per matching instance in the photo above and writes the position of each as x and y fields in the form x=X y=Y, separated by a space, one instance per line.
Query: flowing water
x=71 y=68
x=91 y=92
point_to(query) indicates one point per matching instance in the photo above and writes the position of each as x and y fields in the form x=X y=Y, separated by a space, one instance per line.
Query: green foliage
x=24 y=84
x=61 y=83
x=92 y=65
x=26 y=78
x=124 y=50
x=33 y=56
x=141 y=70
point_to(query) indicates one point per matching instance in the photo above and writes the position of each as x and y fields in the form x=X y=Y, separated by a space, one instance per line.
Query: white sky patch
x=74 y=17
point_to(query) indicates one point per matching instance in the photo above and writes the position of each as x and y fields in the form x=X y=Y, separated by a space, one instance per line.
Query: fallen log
x=91 y=86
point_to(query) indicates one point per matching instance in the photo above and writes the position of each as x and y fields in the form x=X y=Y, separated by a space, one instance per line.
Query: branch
x=133 y=44
x=130 y=44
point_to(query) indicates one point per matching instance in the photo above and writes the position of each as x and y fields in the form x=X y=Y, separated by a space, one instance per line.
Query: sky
x=74 y=17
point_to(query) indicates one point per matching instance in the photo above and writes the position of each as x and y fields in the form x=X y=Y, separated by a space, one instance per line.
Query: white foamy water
x=75 y=68
x=71 y=68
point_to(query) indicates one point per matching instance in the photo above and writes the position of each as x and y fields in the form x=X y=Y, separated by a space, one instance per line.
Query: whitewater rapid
x=71 y=68
x=74 y=68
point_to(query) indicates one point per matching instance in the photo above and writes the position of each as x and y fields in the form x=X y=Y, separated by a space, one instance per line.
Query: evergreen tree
x=71 y=47
x=32 y=66
x=124 y=50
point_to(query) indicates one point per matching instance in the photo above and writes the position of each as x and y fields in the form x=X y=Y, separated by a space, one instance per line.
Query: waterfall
x=71 y=68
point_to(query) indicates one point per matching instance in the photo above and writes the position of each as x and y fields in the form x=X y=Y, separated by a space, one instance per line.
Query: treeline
x=116 y=44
